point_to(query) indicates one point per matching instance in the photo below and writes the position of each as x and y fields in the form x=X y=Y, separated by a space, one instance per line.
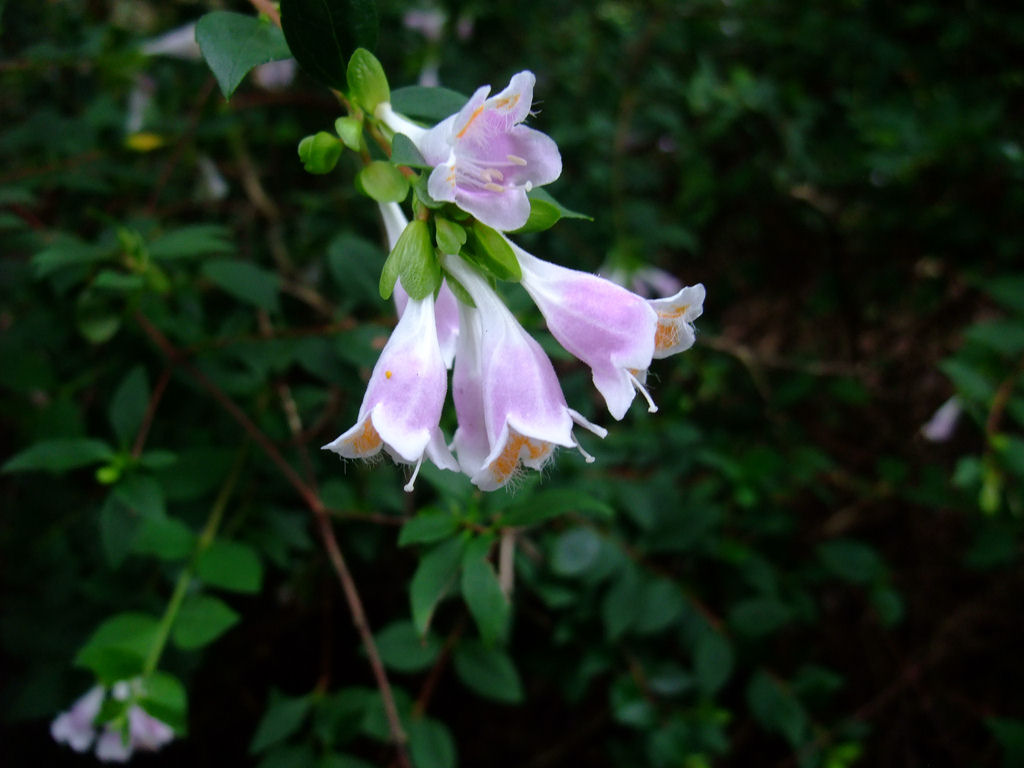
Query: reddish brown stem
x=312 y=500
x=147 y=419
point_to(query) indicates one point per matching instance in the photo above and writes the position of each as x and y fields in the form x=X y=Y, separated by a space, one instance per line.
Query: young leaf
x=233 y=43
x=128 y=407
x=483 y=594
x=320 y=152
x=433 y=578
x=413 y=262
x=383 y=182
x=450 y=236
x=201 y=620
x=350 y=131
x=494 y=253
x=230 y=565
x=428 y=526
x=487 y=671
x=323 y=34
x=367 y=83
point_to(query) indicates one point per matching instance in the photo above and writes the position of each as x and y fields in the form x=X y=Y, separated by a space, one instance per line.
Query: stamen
x=516 y=159
x=490 y=185
x=408 y=486
x=651 y=407
x=587 y=424
x=493 y=173
x=586 y=456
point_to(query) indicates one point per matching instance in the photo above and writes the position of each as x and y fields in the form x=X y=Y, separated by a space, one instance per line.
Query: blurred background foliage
x=780 y=568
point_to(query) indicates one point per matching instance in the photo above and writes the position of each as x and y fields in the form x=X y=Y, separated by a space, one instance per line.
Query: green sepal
x=545 y=212
x=460 y=292
x=383 y=182
x=494 y=254
x=319 y=153
x=404 y=152
x=450 y=236
x=367 y=83
x=413 y=262
x=350 y=131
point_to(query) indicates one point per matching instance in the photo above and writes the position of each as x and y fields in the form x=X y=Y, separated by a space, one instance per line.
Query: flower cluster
x=139 y=731
x=510 y=407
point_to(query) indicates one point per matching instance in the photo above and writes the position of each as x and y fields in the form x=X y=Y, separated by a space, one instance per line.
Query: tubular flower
x=76 y=729
x=675 y=320
x=446 y=313
x=601 y=323
x=401 y=409
x=510 y=407
x=486 y=161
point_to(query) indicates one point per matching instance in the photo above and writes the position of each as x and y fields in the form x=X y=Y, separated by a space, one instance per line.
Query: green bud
x=367 y=83
x=319 y=153
x=383 y=182
x=413 y=262
x=495 y=254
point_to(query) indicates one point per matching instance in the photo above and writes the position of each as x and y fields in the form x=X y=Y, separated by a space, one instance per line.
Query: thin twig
x=312 y=500
x=151 y=406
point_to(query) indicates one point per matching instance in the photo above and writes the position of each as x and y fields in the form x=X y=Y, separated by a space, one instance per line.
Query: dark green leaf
x=323 y=35
x=164 y=697
x=430 y=104
x=1009 y=733
x=230 y=565
x=545 y=212
x=759 y=616
x=428 y=526
x=141 y=494
x=776 y=708
x=128 y=407
x=544 y=505
x=201 y=620
x=245 y=282
x=283 y=717
x=487 y=671
x=233 y=43
x=192 y=242
x=59 y=455
x=575 y=551
x=66 y=252
x=119 y=530
x=712 y=661
x=483 y=594
x=164 y=537
x=117 y=650
x=851 y=561
x=431 y=744
x=404 y=152
x=434 y=576
x=403 y=649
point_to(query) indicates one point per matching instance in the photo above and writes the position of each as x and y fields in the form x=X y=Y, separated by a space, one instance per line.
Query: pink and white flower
x=510 y=407
x=614 y=331
x=485 y=160
x=77 y=728
x=401 y=409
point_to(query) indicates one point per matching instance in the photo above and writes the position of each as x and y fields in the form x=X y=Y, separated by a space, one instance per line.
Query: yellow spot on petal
x=387 y=374
x=508 y=103
x=667 y=336
x=476 y=113
x=366 y=442
x=674 y=312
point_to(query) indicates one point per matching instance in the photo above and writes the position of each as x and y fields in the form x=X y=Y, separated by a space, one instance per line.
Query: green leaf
x=142 y=494
x=575 y=551
x=97 y=318
x=404 y=152
x=128 y=407
x=367 y=83
x=59 y=455
x=450 y=236
x=1008 y=290
x=712 y=661
x=340 y=760
x=350 y=131
x=68 y=251
x=191 y=242
x=621 y=604
x=434 y=576
x=117 y=650
x=413 y=262
x=661 y=605
x=164 y=697
x=233 y=44
x=283 y=717
x=231 y=565
x=430 y=104
x=1009 y=733
x=851 y=561
x=383 y=182
x=428 y=526
x=201 y=620
x=109 y=280
x=629 y=704
x=323 y=35
x=759 y=616
x=545 y=212
x=119 y=530
x=775 y=707
x=288 y=756
x=546 y=504
x=970 y=382
x=402 y=648
x=488 y=672
x=320 y=152
x=431 y=744
x=246 y=282
x=493 y=253
x=165 y=537
x=483 y=594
